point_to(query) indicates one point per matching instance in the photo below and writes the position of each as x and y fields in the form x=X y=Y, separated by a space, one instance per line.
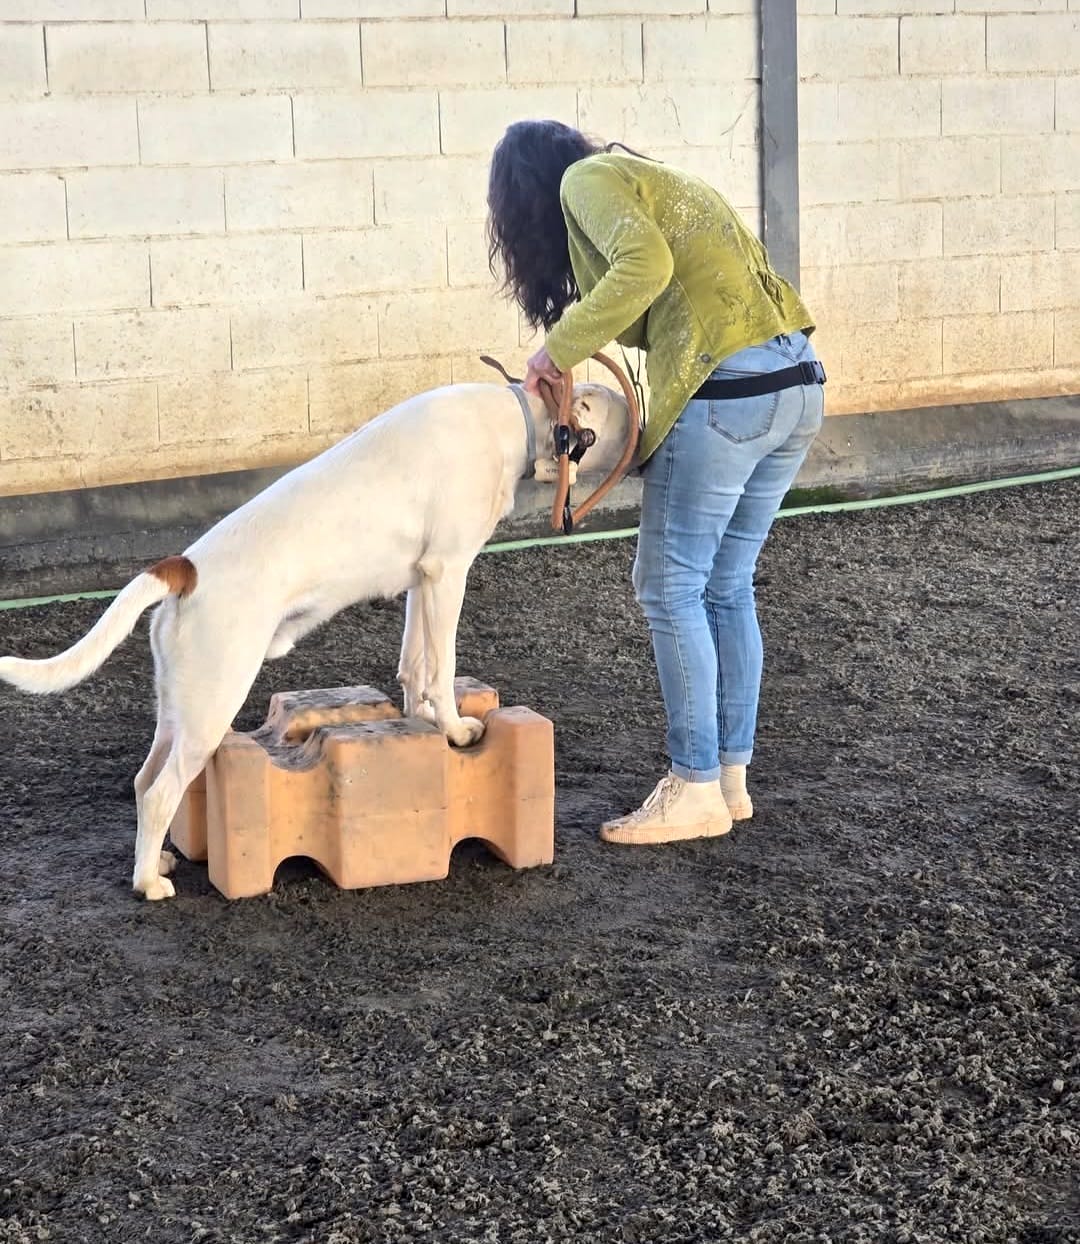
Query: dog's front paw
x=155 y=890
x=468 y=730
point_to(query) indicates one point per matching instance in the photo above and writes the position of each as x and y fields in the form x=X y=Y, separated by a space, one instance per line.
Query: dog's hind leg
x=144 y=779
x=442 y=590
x=201 y=690
x=185 y=760
x=194 y=738
x=412 y=671
x=162 y=737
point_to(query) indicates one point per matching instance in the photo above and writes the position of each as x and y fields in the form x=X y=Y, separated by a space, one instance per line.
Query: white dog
x=403 y=504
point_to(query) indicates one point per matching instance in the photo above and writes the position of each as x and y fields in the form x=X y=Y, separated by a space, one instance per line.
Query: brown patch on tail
x=178 y=574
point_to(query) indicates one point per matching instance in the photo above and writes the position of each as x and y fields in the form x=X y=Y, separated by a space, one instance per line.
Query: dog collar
x=530 y=431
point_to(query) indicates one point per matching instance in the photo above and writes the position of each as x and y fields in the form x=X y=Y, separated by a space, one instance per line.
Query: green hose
x=834 y=507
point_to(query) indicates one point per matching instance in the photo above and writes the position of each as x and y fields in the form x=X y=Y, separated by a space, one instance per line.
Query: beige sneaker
x=676 y=810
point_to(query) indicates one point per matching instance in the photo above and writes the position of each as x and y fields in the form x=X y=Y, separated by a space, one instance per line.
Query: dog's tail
x=175 y=576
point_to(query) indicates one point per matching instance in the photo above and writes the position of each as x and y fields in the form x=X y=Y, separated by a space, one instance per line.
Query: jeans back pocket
x=743 y=418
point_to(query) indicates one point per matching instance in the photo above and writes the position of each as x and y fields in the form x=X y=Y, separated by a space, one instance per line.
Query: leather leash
x=564 y=423
x=486 y=358
x=563 y=517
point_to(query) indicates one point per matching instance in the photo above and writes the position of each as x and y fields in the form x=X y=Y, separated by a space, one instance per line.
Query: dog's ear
x=598 y=407
x=589 y=405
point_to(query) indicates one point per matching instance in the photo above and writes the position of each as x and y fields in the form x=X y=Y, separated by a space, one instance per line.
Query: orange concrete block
x=292 y=717
x=340 y=777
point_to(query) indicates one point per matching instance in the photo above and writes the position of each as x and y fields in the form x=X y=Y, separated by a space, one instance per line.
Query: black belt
x=755 y=386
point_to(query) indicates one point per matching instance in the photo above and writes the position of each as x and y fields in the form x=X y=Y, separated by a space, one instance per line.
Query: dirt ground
x=856 y=1018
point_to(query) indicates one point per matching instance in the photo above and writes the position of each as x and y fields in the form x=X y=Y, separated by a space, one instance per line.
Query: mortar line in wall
x=360 y=48
x=438 y=123
x=206 y=33
x=303 y=271
x=138 y=130
x=292 y=124
x=74 y=351
x=67 y=210
x=45 y=50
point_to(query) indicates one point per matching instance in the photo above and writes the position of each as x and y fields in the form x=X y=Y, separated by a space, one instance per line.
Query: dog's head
x=600 y=410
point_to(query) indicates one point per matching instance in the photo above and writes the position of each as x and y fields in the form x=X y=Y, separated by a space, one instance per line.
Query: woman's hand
x=540 y=367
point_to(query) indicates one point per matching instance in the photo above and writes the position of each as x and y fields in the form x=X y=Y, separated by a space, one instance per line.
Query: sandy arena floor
x=854 y=1019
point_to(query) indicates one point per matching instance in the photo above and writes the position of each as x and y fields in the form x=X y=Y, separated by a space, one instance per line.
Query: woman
x=600 y=245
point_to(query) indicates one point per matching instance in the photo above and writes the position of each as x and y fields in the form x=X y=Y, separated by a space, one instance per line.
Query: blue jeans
x=711 y=492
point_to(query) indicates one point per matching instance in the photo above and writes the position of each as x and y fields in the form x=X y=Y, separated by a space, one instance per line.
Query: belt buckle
x=812 y=373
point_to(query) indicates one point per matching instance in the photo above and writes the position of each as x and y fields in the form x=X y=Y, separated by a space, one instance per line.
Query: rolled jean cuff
x=736 y=758
x=696 y=775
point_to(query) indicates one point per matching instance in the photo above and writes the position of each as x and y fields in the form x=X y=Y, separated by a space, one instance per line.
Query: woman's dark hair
x=526 y=228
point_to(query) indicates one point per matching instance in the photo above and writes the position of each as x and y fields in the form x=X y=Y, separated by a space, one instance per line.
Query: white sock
x=733 y=781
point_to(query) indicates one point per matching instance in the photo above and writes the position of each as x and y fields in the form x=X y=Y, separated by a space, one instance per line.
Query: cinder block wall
x=940 y=186
x=231 y=230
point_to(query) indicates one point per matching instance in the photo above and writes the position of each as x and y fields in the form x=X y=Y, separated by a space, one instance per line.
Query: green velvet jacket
x=664 y=264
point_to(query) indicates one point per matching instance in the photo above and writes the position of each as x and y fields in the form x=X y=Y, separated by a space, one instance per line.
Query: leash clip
x=586 y=440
